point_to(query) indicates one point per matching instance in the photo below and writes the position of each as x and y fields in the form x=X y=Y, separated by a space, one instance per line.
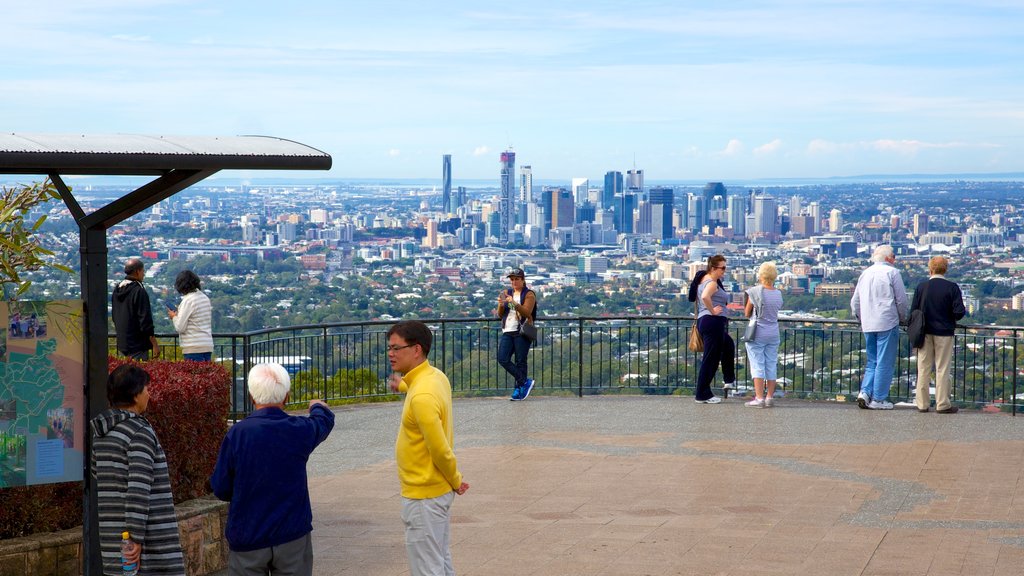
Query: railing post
x=444 y=347
x=580 y=357
x=1013 y=400
x=323 y=371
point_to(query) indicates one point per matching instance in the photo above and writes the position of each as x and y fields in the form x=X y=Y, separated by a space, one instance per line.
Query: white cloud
x=481 y=151
x=733 y=148
x=768 y=148
x=394 y=152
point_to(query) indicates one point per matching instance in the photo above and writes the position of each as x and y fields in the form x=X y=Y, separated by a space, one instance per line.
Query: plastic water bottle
x=128 y=568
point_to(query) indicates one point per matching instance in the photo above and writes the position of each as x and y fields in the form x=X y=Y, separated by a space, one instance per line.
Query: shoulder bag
x=526 y=328
x=915 y=327
x=757 y=297
x=696 y=343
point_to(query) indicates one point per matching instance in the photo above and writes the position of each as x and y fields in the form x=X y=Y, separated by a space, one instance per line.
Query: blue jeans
x=881 y=348
x=512 y=343
x=199 y=356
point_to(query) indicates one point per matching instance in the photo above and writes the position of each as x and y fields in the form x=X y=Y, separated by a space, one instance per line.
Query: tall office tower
x=624 y=213
x=683 y=209
x=766 y=215
x=814 y=209
x=738 y=215
x=446 y=184
x=644 y=217
x=526 y=184
x=585 y=212
x=508 y=196
x=525 y=194
x=661 y=200
x=612 y=188
x=635 y=181
x=712 y=189
x=835 y=220
x=920 y=224
x=696 y=219
x=562 y=209
x=461 y=196
x=794 y=205
x=580 y=186
x=287 y=232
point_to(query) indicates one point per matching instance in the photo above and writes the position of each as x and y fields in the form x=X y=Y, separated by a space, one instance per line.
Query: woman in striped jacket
x=193 y=319
x=133 y=488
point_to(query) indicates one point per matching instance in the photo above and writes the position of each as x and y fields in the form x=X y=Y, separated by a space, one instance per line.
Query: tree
x=19 y=251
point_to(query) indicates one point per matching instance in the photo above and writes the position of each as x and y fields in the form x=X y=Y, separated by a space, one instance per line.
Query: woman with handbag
x=762 y=337
x=517 y=308
x=707 y=291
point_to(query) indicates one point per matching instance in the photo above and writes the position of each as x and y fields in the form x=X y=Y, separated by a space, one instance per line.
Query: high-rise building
x=711 y=190
x=635 y=181
x=506 y=207
x=814 y=209
x=461 y=196
x=661 y=200
x=580 y=186
x=525 y=194
x=696 y=218
x=446 y=184
x=766 y=215
x=835 y=220
x=562 y=208
x=738 y=215
x=794 y=205
x=612 y=188
x=624 y=213
x=920 y=224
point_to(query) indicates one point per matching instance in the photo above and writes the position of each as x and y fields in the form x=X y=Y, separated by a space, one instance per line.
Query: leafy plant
x=19 y=251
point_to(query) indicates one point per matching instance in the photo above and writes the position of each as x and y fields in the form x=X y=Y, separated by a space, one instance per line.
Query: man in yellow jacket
x=427 y=470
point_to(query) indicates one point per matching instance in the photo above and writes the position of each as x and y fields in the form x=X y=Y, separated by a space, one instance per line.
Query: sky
x=736 y=90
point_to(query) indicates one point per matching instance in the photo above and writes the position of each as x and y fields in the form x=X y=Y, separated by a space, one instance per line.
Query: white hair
x=881 y=253
x=269 y=383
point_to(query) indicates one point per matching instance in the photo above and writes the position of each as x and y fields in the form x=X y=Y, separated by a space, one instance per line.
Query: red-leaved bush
x=188 y=408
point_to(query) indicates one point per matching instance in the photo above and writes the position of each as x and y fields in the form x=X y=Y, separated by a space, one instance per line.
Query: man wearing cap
x=516 y=306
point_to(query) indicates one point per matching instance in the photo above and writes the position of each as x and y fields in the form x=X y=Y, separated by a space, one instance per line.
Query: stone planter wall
x=200 y=522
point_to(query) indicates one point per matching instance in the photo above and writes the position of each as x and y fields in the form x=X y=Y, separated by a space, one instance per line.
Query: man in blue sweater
x=261 y=470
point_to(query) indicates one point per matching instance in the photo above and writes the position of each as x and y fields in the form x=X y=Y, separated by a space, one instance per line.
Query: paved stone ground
x=632 y=485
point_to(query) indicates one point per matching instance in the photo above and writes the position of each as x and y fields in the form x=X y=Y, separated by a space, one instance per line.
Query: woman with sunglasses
x=719 y=348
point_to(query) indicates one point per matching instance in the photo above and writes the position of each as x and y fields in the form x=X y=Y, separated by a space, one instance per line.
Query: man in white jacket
x=880 y=303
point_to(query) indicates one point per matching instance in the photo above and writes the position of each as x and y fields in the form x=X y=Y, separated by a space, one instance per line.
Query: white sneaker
x=712 y=400
x=769 y=401
x=863 y=400
x=756 y=403
x=876 y=405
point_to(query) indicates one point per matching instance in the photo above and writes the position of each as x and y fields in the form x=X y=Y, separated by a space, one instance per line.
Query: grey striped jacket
x=133 y=491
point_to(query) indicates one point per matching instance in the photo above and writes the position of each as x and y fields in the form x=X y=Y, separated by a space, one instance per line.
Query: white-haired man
x=261 y=470
x=880 y=303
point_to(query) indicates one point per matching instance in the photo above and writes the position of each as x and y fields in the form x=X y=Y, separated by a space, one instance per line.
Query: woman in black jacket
x=942 y=304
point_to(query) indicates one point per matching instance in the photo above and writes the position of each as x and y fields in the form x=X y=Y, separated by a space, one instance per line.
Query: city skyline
x=749 y=91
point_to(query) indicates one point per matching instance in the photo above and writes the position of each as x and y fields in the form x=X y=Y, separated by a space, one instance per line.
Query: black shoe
x=950 y=410
x=924 y=410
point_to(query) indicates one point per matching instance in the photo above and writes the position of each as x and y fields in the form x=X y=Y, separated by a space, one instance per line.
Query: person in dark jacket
x=942 y=304
x=133 y=486
x=133 y=318
x=261 y=471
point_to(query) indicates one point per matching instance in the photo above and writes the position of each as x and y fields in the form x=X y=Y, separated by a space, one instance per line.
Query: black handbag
x=915 y=327
x=529 y=331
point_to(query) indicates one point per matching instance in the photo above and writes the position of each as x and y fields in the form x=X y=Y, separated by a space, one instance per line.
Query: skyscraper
x=446 y=184
x=525 y=194
x=738 y=215
x=612 y=188
x=697 y=215
x=712 y=189
x=766 y=215
x=635 y=181
x=661 y=200
x=814 y=209
x=835 y=220
x=506 y=208
x=624 y=213
x=580 y=186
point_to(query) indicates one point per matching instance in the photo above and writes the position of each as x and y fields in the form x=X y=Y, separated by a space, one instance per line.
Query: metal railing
x=818 y=359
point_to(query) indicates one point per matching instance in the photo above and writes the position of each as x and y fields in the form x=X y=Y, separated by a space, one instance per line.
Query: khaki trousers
x=934 y=355
x=428 y=535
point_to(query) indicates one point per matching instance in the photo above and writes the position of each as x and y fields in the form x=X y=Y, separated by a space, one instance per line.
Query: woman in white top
x=193 y=319
x=763 y=348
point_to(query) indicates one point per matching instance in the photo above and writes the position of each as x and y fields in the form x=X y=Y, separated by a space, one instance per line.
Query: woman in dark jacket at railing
x=943 y=305
x=706 y=289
